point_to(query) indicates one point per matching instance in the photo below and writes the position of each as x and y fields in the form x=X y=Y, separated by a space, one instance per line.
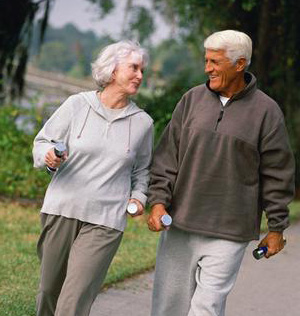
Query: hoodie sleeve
x=164 y=169
x=277 y=177
x=55 y=129
x=140 y=173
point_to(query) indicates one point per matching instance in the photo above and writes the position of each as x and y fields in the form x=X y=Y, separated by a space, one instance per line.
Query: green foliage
x=142 y=23
x=138 y=21
x=172 y=58
x=106 y=5
x=161 y=103
x=17 y=176
x=67 y=50
x=55 y=56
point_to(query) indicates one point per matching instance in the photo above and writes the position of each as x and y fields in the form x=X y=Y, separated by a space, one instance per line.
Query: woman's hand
x=52 y=160
x=139 y=205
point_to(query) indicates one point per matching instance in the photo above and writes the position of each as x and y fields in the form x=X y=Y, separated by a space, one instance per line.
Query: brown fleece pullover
x=217 y=168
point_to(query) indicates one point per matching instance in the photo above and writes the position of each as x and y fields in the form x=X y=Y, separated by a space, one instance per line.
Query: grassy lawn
x=19 y=266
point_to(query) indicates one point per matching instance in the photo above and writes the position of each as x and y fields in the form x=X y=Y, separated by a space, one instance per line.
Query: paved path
x=264 y=288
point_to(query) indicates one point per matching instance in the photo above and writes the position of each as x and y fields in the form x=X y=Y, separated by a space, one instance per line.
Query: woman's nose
x=140 y=74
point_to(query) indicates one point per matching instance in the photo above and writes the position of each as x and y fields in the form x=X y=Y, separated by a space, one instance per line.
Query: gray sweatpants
x=75 y=257
x=194 y=274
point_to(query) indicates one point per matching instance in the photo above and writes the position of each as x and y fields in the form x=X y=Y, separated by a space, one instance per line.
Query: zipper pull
x=219 y=118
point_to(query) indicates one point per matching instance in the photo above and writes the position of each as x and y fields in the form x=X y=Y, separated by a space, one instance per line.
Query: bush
x=161 y=103
x=17 y=176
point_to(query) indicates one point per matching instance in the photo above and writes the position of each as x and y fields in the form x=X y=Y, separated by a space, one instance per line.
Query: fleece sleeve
x=140 y=172
x=54 y=130
x=277 y=177
x=164 y=169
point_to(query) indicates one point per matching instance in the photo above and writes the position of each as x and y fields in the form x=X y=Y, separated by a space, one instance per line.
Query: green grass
x=19 y=266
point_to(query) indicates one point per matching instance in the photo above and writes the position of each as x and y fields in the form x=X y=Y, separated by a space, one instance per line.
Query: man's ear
x=241 y=64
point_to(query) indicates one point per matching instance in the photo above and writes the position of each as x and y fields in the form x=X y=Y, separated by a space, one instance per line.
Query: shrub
x=17 y=176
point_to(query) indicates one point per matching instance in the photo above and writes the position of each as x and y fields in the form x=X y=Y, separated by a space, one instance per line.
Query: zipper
x=221 y=114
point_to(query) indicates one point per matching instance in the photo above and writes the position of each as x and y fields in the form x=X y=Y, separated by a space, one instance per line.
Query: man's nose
x=208 y=67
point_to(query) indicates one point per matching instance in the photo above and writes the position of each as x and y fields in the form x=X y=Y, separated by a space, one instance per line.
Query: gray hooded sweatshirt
x=107 y=161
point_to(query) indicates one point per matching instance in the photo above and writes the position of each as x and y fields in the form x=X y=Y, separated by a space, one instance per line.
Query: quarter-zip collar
x=251 y=86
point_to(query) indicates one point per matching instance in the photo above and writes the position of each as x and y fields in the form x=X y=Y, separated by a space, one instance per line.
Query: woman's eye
x=135 y=67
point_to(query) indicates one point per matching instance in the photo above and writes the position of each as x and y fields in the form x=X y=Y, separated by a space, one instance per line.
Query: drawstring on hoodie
x=107 y=127
x=85 y=120
x=129 y=134
x=93 y=101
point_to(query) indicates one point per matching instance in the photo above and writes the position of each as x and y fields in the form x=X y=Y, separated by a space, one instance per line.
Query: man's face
x=223 y=75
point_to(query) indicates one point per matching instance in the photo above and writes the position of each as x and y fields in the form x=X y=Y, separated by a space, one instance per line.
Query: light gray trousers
x=75 y=257
x=194 y=274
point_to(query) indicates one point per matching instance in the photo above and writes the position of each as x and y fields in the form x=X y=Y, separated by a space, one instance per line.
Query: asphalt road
x=267 y=287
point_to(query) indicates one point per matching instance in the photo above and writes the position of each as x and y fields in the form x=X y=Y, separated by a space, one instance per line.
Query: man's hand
x=154 y=223
x=275 y=243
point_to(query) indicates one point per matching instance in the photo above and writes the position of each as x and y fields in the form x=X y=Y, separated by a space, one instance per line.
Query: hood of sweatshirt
x=95 y=104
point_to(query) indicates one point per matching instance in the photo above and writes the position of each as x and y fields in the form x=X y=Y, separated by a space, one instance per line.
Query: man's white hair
x=235 y=44
x=111 y=56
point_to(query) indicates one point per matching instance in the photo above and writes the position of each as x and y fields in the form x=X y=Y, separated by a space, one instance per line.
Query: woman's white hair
x=111 y=55
x=235 y=44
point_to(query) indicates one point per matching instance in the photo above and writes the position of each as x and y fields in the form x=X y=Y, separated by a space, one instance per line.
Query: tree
x=141 y=23
x=55 y=56
x=66 y=50
x=16 y=22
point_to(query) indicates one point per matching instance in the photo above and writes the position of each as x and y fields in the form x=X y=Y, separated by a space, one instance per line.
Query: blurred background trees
x=176 y=63
x=16 y=24
x=274 y=27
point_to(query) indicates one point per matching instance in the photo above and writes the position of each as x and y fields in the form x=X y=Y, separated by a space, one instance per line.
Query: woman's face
x=128 y=75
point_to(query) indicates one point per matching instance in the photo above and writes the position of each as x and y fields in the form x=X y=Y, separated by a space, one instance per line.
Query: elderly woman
x=109 y=147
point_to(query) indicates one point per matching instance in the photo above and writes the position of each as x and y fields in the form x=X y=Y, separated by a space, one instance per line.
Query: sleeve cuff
x=139 y=196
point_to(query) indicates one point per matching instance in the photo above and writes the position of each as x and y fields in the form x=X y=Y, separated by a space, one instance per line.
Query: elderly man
x=223 y=159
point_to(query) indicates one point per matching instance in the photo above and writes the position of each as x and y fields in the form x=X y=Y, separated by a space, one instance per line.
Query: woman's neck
x=112 y=99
